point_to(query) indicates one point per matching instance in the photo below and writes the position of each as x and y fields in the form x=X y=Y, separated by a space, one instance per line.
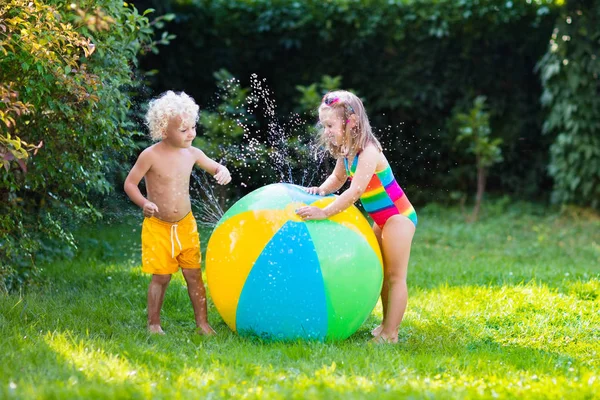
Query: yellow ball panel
x=229 y=259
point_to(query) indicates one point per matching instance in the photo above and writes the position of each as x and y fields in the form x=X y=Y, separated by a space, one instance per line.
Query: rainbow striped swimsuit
x=383 y=197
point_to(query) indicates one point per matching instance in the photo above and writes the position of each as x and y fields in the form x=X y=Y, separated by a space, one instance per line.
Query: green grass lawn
x=508 y=307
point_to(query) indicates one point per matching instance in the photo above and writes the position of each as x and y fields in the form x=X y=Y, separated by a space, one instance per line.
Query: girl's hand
x=315 y=190
x=222 y=176
x=149 y=209
x=308 y=213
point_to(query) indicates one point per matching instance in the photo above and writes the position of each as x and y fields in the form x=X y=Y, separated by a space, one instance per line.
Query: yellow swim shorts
x=168 y=245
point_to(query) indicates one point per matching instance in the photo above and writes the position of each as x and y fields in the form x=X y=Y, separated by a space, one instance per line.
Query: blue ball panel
x=284 y=295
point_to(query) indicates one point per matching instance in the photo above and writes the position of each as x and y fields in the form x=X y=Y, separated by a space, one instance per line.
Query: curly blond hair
x=345 y=104
x=167 y=106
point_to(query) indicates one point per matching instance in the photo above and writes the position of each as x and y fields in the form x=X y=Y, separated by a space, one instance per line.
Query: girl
x=346 y=134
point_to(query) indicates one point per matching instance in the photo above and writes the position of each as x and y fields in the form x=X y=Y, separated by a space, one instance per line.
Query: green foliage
x=224 y=127
x=307 y=106
x=570 y=73
x=12 y=149
x=245 y=132
x=507 y=308
x=411 y=61
x=474 y=128
x=311 y=95
x=226 y=133
x=67 y=72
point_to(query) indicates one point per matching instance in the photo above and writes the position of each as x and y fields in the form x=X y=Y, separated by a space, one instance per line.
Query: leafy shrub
x=257 y=146
x=570 y=73
x=67 y=72
x=474 y=128
x=411 y=61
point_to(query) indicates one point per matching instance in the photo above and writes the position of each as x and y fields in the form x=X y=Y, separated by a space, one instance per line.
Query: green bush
x=279 y=151
x=68 y=70
x=570 y=73
x=412 y=62
x=474 y=128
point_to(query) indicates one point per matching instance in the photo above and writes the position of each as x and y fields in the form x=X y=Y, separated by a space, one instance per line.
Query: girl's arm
x=364 y=171
x=335 y=181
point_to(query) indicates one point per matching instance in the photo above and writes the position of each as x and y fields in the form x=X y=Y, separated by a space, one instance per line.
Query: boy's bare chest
x=172 y=169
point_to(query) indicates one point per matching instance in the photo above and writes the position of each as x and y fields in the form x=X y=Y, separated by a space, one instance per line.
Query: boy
x=169 y=232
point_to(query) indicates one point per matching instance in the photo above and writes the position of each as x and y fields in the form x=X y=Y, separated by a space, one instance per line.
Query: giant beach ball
x=273 y=275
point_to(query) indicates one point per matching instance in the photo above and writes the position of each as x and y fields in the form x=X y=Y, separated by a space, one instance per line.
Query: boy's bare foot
x=206 y=330
x=380 y=339
x=156 y=329
x=377 y=331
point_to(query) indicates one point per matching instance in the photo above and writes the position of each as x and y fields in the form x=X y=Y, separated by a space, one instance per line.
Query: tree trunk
x=481 y=178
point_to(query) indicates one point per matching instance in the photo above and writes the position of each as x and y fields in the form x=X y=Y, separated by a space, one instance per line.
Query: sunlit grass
x=508 y=307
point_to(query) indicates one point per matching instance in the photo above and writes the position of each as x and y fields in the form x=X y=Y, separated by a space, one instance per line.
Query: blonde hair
x=346 y=104
x=166 y=106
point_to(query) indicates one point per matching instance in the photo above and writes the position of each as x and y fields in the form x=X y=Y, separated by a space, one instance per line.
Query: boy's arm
x=218 y=171
x=141 y=167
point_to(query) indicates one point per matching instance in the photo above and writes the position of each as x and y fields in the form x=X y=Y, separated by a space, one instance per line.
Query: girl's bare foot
x=206 y=330
x=381 y=339
x=377 y=331
x=156 y=329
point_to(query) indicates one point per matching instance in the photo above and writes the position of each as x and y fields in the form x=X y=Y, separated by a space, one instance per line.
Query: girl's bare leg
x=156 y=295
x=396 y=240
x=384 y=287
x=197 y=293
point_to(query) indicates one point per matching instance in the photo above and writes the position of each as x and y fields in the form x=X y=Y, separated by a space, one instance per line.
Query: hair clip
x=330 y=100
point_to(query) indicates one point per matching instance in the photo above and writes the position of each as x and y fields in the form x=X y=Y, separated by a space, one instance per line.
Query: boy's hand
x=149 y=209
x=315 y=190
x=222 y=176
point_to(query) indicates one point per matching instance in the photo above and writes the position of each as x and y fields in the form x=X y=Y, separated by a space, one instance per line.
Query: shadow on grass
x=116 y=320
x=55 y=363
x=93 y=310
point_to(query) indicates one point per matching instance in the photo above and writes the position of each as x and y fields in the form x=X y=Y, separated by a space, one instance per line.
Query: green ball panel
x=352 y=279
x=270 y=197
